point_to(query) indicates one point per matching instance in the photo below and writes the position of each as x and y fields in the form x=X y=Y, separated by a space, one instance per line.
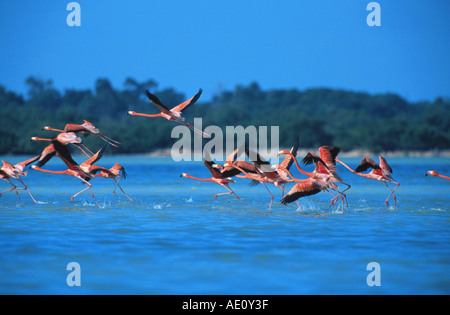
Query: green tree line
x=347 y=119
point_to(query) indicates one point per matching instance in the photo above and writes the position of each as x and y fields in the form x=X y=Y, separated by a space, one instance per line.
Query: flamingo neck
x=41 y=139
x=299 y=168
x=199 y=179
x=37 y=168
x=146 y=115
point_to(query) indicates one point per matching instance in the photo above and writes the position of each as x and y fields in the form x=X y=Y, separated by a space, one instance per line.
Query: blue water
x=176 y=239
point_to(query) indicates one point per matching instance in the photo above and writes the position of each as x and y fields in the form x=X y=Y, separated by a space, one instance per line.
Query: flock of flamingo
x=324 y=177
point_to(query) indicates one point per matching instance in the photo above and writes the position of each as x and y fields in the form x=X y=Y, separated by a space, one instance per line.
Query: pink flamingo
x=173 y=114
x=217 y=177
x=8 y=171
x=380 y=172
x=86 y=129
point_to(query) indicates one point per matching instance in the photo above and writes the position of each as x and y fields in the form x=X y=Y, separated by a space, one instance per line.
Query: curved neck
x=290 y=174
x=352 y=170
x=298 y=167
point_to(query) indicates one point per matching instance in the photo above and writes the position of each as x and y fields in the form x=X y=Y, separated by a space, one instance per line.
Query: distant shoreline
x=300 y=153
x=352 y=153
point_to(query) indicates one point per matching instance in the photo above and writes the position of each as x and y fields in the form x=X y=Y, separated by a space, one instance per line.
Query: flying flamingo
x=116 y=171
x=381 y=172
x=65 y=138
x=86 y=129
x=8 y=171
x=173 y=114
x=73 y=169
x=217 y=177
x=434 y=173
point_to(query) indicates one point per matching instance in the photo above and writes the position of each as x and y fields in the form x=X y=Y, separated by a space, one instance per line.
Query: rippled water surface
x=175 y=238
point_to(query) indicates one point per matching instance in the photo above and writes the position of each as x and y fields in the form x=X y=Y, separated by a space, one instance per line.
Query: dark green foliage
x=349 y=120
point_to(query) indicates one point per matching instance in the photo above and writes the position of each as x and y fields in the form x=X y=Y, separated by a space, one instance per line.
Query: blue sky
x=215 y=45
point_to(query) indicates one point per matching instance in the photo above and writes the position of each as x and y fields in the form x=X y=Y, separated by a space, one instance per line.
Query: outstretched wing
x=384 y=165
x=179 y=108
x=155 y=101
x=21 y=166
x=215 y=172
x=64 y=155
x=97 y=156
x=288 y=160
x=365 y=164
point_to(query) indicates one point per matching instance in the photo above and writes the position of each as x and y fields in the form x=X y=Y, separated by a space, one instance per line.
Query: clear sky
x=217 y=44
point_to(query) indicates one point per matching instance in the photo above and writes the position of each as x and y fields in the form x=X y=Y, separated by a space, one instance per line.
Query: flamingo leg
x=229 y=193
x=112 y=140
x=14 y=187
x=195 y=129
x=104 y=138
x=392 y=193
x=271 y=200
x=89 y=185
x=117 y=184
x=26 y=188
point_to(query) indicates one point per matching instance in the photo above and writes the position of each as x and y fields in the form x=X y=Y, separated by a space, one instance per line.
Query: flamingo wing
x=215 y=172
x=64 y=155
x=384 y=165
x=328 y=154
x=320 y=165
x=46 y=155
x=155 y=101
x=367 y=163
x=97 y=156
x=288 y=160
x=303 y=188
x=179 y=108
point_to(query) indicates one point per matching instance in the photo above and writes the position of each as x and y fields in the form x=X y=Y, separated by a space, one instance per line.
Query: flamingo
x=73 y=169
x=328 y=155
x=173 y=114
x=217 y=177
x=116 y=171
x=380 y=172
x=307 y=187
x=65 y=138
x=266 y=173
x=229 y=168
x=434 y=173
x=86 y=129
x=8 y=171
x=320 y=172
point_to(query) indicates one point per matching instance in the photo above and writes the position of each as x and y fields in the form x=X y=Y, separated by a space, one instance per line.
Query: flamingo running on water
x=8 y=171
x=73 y=169
x=217 y=177
x=116 y=171
x=380 y=172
